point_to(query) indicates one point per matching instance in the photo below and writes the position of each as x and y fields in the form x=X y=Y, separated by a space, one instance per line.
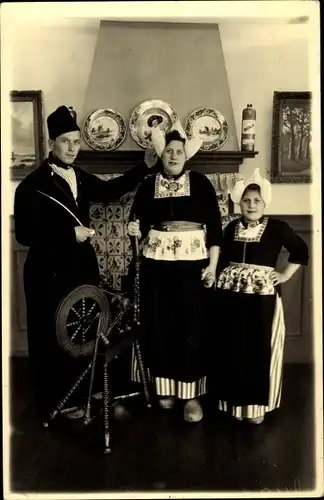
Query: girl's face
x=252 y=205
x=173 y=158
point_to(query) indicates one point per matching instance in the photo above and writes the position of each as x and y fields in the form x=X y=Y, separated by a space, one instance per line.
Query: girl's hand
x=278 y=278
x=133 y=229
x=208 y=275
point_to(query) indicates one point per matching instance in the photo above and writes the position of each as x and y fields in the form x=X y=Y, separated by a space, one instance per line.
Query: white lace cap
x=241 y=185
x=191 y=146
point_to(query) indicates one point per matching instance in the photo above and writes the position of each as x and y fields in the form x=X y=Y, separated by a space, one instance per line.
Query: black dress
x=247 y=356
x=56 y=264
x=174 y=302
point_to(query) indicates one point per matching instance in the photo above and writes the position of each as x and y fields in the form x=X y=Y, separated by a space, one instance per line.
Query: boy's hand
x=83 y=233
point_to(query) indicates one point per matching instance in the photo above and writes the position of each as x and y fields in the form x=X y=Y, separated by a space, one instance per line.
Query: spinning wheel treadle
x=77 y=320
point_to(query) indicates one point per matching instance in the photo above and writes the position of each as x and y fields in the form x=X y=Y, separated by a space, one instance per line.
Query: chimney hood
x=182 y=64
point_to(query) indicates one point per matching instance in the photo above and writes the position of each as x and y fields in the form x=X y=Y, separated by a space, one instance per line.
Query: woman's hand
x=133 y=229
x=208 y=275
x=150 y=157
x=278 y=278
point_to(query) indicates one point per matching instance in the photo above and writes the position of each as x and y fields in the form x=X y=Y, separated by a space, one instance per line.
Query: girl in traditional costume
x=179 y=227
x=246 y=374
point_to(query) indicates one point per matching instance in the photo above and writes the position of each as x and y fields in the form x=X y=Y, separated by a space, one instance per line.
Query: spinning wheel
x=86 y=321
x=77 y=320
x=94 y=322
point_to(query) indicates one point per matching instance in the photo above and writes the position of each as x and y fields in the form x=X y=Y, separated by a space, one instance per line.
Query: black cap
x=60 y=122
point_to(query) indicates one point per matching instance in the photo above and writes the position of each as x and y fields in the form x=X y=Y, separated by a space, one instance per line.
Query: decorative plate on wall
x=208 y=124
x=154 y=113
x=104 y=129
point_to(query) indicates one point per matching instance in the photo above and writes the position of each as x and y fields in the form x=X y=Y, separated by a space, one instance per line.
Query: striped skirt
x=167 y=387
x=276 y=369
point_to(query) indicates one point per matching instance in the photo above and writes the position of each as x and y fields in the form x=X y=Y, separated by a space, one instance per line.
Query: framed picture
x=27 y=145
x=291 y=138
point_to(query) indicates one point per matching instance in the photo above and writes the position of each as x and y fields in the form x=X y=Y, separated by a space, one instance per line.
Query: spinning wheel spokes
x=75 y=311
x=77 y=320
x=84 y=307
x=73 y=323
x=87 y=319
x=84 y=329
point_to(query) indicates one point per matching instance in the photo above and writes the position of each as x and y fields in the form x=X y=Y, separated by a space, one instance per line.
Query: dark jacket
x=48 y=229
x=56 y=264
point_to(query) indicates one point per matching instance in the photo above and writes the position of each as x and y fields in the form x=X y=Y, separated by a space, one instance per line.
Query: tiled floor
x=157 y=451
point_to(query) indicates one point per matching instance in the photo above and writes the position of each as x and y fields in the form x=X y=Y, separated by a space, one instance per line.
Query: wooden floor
x=156 y=450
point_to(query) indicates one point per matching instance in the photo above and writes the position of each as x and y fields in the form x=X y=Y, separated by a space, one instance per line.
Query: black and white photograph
x=161 y=250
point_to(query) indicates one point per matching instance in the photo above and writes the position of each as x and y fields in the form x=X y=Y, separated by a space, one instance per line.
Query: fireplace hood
x=182 y=64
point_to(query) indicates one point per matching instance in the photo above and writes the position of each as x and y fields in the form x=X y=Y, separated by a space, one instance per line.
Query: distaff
x=137 y=279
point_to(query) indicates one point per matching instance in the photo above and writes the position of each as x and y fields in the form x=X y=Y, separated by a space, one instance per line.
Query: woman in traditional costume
x=179 y=226
x=247 y=372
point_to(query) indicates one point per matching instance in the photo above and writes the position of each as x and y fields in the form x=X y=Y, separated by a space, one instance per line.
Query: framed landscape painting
x=291 y=138
x=27 y=141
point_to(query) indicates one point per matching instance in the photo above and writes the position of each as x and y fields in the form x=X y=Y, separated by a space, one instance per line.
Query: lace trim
x=251 y=233
x=167 y=188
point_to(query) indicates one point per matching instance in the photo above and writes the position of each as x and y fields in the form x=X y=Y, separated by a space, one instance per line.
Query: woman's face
x=173 y=158
x=252 y=205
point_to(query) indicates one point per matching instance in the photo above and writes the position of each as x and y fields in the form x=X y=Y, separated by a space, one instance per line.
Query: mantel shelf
x=99 y=162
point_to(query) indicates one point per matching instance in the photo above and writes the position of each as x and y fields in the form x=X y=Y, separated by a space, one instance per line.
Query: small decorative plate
x=154 y=113
x=208 y=124
x=104 y=129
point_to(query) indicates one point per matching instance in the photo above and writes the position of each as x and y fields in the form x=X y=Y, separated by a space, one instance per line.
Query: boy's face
x=66 y=146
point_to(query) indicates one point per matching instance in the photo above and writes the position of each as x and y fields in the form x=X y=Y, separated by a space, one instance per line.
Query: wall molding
x=221 y=162
x=300 y=223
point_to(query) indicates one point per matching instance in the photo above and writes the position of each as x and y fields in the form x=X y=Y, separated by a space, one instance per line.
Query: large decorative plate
x=154 y=113
x=104 y=129
x=208 y=124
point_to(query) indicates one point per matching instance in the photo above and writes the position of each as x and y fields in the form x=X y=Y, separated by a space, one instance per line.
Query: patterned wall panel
x=112 y=244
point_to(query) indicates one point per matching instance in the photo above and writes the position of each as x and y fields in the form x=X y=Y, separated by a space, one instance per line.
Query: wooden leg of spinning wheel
x=143 y=376
x=106 y=407
x=87 y=416
x=63 y=402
